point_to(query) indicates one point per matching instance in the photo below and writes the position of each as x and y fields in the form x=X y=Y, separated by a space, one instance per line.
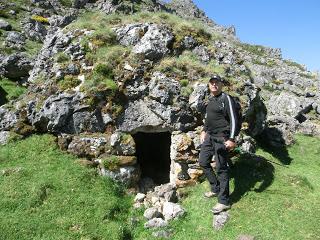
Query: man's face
x=215 y=87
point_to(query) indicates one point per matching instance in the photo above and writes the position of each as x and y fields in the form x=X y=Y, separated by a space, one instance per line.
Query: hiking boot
x=210 y=194
x=219 y=207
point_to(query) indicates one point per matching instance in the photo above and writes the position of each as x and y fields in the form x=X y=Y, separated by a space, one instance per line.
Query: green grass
x=275 y=197
x=45 y=194
x=12 y=89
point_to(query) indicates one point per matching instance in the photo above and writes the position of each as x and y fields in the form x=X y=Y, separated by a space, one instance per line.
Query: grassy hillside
x=46 y=194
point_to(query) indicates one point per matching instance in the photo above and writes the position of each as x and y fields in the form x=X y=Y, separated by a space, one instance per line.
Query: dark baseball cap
x=216 y=77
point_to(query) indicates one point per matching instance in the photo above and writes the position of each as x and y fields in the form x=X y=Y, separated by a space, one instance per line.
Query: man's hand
x=203 y=134
x=230 y=145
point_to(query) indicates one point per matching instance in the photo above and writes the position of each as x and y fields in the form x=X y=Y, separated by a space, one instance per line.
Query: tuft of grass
x=61 y=57
x=68 y=82
x=295 y=64
x=46 y=194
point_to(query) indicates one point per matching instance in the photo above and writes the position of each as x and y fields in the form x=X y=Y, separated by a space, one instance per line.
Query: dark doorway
x=153 y=154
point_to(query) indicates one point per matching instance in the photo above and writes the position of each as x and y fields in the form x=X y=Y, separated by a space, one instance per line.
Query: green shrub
x=68 y=82
x=186 y=91
x=255 y=49
x=61 y=57
x=184 y=82
x=104 y=69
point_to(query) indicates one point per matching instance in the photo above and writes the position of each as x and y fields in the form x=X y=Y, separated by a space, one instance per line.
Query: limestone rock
x=64 y=113
x=172 y=210
x=131 y=34
x=122 y=144
x=4 y=137
x=163 y=89
x=220 y=220
x=128 y=175
x=202 y=53
x=87 y=146
x=15 y=40
x=151 y=213
x=35 y=30
x=139 y=197
x=7 y=119
x=138 y=117
x=4 y=25
x=155 y=42
x=16 y=66
x=156 y=223
x=287 y=104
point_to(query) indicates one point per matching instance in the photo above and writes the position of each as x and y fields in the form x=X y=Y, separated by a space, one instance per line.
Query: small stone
x=220 y=220
x=162 y=234
x=4 y=25
x=156 y=223
x=172 y=210
x=139 y=197
x=245 y=237
x=152 y=212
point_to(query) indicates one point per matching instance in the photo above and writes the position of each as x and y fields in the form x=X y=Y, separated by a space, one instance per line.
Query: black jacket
x=221 y=118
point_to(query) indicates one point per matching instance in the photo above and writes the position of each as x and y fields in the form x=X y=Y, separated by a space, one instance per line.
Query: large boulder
x=163 y=89
x=35 y=30
x=288 y=104
x=15 y=40
x=155 y=43
x=7 y=119
x=16 y=66
x=64 y=113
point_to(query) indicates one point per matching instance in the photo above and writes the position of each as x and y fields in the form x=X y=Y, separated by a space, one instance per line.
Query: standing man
x=217 y=139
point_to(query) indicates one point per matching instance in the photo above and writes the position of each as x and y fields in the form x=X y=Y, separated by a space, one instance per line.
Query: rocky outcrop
x=16 y=66
x=64 y=113
x=151 y=40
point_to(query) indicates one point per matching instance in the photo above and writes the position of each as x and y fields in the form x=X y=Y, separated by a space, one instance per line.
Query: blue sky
x=293 y=26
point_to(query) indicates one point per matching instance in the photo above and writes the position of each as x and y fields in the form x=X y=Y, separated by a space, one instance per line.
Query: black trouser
x=215 y=146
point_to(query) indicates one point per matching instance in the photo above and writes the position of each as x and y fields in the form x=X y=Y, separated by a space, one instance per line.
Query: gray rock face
x=4 y=137
x=15 y=40
x=7 y=119
x=87 y=146
x=197 y=97
x=163 y=89
x=57 y=21
x=156 y=223
x=280 y=130
x=4 y=25
x=54 y=43
x=16 y=66
x=287 y=104
x=131 y=34
x=128 y=175
x=155 y=42
x=172 y=210
x=138 y=117
x=35 y=30
x=202 y=53
x=122 y=144
x=65 y=114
